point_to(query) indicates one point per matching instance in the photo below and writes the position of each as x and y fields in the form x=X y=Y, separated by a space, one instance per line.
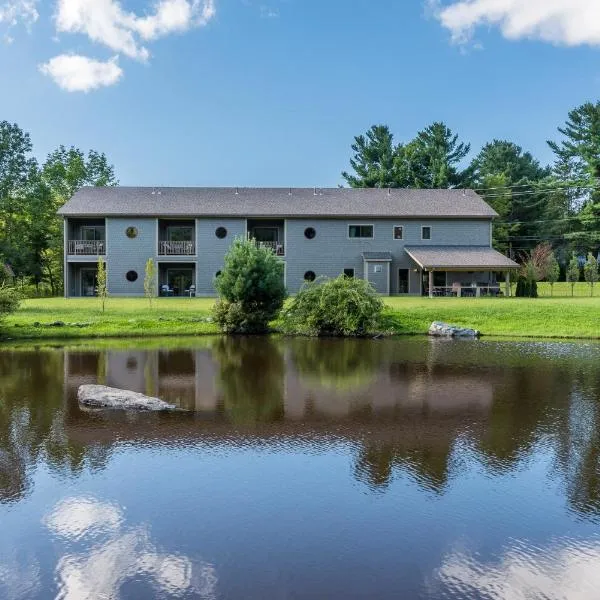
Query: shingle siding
x=211 y=250
x=329 y=253
x=125 y=254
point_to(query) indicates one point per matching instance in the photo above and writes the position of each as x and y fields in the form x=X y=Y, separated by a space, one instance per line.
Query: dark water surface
x=307 y=469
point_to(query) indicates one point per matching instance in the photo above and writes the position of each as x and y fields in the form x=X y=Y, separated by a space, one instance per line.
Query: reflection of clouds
x=117 y=554
x=75 y=517
x=569 y=570
x=17 y=582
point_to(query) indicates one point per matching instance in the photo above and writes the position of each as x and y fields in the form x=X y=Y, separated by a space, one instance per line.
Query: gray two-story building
x=412 y=242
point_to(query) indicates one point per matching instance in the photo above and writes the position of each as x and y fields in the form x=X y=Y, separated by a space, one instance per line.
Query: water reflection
x=569 y=569
x=405 y=404
x=120 y=557
x=433 y=439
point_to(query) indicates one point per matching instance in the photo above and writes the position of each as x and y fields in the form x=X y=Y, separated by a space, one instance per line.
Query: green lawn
x=131 y=317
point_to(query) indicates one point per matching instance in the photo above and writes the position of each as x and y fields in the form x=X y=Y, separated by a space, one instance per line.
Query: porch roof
x=460 y=258
x=377 y=256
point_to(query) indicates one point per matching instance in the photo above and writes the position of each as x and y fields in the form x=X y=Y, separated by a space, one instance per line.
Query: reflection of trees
x=250 y=379
x=426 y=460
x=32 y=419
x=340 y=364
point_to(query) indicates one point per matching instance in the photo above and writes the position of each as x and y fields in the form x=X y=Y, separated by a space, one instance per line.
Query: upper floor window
x=92 y=233
x=360 y=232
x=180 y=233
x=426 y=232
x=398 y=232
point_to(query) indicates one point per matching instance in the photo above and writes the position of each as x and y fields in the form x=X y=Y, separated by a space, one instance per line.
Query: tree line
x=31 y=233
x=559 y=203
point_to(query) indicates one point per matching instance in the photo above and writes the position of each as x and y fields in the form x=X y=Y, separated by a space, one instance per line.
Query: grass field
x=132 y=317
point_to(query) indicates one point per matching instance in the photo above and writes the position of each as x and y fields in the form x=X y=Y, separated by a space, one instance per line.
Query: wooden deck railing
x=176 y=248
x=86 y=248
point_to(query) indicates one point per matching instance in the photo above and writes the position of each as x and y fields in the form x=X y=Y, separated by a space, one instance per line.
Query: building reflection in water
x=402 y=405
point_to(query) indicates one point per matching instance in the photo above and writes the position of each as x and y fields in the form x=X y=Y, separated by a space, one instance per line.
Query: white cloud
x=75 y=73
x=568 y=22
x=14 y=12
x=106 y=22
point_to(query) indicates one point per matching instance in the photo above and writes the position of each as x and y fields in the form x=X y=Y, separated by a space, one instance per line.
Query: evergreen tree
x=373 y=160
x=578 y=165
x=432 y=159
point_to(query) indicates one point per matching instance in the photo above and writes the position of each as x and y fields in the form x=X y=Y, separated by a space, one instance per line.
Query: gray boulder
x=440 y=329
x=101 y=396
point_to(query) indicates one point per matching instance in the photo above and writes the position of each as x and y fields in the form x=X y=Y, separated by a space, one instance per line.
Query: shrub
x=526 y=288
x=337 y=307
x=251 y=289
x=9 y=301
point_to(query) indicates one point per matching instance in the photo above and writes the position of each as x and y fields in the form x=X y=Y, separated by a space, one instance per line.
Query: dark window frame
x=359 y=228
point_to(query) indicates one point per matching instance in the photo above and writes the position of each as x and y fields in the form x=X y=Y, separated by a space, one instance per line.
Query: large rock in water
x=101 y=396
x=439 y=329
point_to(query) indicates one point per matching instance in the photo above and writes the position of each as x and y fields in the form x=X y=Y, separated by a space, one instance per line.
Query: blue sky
x=271 y=92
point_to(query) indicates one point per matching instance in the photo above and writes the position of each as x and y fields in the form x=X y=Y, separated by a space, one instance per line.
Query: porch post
x=507 y=284
x=431 y=284
x=65 y=257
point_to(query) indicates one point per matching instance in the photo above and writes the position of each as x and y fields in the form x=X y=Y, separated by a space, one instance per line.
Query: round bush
x=334 y=307
x=9 y=300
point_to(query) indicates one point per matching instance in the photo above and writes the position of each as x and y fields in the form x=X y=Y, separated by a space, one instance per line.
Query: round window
x=309 y=276
x=221 y=232
x=131 y=232
x=131 y=276
x=310 y=233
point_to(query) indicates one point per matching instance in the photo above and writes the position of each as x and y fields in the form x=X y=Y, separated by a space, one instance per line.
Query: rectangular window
x=377 y=269
x=176 y=233
x=398 y=232
x=349 y=273
x=92 y=233
x=426 y=232
x=360 y=231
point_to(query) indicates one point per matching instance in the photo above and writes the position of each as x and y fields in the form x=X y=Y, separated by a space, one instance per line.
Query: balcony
x=268 y=233
x=277 y=247
x=176 y=248
x=86 y=247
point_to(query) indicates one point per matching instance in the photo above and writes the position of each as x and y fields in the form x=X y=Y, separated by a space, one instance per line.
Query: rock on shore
x=101 y=396
x=439 y=329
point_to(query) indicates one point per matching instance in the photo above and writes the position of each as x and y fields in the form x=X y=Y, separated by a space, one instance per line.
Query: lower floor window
x=349 y=273
x=309 y=276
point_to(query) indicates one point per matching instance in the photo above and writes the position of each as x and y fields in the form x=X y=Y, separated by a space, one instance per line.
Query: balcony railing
x=277 y=247
x=176 y=248
x=86 y=248
x=467 y=291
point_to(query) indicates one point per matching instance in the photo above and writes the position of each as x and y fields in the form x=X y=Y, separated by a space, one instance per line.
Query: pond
x=397 y=468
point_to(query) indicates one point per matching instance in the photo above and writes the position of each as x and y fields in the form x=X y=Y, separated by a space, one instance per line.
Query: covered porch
x=176 y=279
x=462 y=271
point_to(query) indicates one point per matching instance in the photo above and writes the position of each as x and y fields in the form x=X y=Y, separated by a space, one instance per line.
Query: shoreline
x=59 y=319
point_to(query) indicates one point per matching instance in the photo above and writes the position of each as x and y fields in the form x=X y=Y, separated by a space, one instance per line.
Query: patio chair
x=456 y=288
x=165 y=290
x=191 y=291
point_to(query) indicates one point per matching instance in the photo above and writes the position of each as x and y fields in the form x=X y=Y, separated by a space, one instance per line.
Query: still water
x=305 y=469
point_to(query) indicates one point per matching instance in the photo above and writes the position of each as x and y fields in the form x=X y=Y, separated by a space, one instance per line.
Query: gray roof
x=460 y=257
x=383 y=256
x=276 y=202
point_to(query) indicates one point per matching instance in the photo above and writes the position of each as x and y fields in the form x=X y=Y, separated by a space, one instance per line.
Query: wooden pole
x=507 y=284
x=431 y=284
